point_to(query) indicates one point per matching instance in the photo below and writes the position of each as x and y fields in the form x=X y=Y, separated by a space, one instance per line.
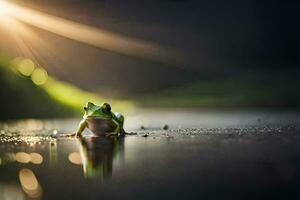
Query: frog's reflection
x=100 y=156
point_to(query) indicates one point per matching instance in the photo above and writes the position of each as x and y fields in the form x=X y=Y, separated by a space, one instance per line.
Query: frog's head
x=92 y=110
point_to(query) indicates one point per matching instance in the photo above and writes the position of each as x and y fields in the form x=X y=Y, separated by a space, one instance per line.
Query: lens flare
x=29 y=183
x=75 y=158
x=39 y=76
x=36 y=158
x=26 y=67
x=22 y=157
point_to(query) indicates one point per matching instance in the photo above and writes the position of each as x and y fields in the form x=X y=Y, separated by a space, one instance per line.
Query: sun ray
x=10 y=25
x=28 y=43
x=90 y=35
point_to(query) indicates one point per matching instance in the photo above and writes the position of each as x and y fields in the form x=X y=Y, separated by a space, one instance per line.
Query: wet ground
x=202 y=155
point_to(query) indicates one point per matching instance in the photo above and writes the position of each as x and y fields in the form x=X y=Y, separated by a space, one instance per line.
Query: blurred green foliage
x=21 y=98
x=71 y=96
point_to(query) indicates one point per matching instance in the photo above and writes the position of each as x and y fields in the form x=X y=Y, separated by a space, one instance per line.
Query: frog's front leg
x=81 y=127
x=122 y=132
x=119 y=131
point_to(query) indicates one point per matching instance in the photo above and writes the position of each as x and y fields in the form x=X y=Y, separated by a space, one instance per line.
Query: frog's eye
x=106 y=107
x=85 y=108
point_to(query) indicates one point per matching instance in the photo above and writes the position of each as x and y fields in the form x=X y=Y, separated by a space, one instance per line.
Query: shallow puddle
x=247 y=160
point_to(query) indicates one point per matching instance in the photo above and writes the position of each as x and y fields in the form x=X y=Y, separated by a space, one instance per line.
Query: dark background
x=233 y=53
x=216 y=39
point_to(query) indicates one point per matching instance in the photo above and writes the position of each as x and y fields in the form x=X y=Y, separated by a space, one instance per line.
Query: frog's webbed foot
x=115 y=135
x=74 y=134
x=109 y=135
x=77 y=135
x=122 y=132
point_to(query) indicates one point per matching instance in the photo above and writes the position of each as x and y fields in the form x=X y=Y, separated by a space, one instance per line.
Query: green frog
x=101 y=121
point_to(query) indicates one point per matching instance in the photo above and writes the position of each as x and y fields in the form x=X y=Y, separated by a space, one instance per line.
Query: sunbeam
x=89 y=35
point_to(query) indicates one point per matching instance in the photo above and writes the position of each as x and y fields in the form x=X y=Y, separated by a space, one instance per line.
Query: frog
x=101 y=121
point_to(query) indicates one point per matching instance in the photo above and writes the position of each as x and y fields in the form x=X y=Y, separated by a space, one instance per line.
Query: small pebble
x=54 y=134
x=145 y=135
x=166 y=127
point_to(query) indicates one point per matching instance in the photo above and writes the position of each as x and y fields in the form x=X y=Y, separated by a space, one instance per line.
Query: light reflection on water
x=11 y=192
x=74 y=158
x=36 y=163
x=29 y=183
x=96 y=158
x=100 y=155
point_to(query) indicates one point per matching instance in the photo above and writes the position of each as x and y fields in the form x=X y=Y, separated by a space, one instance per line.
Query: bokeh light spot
x=39 y=76
x=75 y=158
x=29 y=183
x=26 y=67
x=36 y=158
x=22 y=157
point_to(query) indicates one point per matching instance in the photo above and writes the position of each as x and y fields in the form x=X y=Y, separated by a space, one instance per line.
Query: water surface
x=203 y=155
